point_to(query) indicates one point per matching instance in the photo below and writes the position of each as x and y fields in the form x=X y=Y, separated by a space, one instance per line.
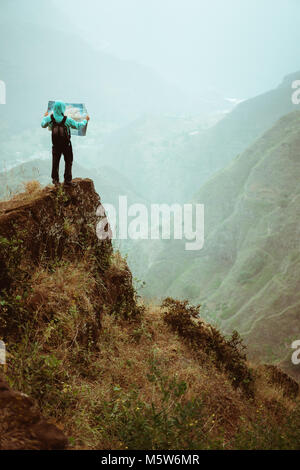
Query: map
x=76 y=111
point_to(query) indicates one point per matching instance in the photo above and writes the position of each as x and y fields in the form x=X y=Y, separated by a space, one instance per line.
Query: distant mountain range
x=247 y=275
x=152 y=152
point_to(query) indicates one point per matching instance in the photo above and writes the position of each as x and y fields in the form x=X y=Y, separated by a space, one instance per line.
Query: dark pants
x=67 y=152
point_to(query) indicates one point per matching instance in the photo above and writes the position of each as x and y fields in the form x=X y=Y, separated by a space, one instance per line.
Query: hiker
x=61 y=139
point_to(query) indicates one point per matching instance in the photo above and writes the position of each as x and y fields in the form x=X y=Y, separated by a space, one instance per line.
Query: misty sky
x=238 y=47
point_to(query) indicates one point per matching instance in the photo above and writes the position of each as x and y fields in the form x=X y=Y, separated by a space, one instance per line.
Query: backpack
x=60 y=134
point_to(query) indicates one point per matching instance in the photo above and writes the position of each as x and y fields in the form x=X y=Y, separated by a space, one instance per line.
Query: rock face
x=56 y=280
x=48 y=225
x=22 y=425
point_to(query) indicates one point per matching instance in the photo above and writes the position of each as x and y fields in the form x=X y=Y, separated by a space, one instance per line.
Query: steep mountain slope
x=240 y=128
x=109 y=371
x=154 y=152
x=247 y=273
x=149 y=152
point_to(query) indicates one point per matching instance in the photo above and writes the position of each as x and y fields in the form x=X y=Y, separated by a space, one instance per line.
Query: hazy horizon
x=235 y=49
x=244 y=47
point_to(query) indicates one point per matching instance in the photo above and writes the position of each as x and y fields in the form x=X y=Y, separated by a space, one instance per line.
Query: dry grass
x=118 y=262
x=28 y=192
x=31 y=189
x=115 y=376
x=107 y=383
x=123 y=364
x=86 y=391
x=64 y=297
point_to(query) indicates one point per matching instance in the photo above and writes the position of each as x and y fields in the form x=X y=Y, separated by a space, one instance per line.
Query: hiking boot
x=69 y=184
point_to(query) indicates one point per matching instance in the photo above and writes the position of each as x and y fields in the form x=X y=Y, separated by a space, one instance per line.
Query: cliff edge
x=89 y=366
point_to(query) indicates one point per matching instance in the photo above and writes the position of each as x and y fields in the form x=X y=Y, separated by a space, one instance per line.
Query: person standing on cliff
x=61 y=139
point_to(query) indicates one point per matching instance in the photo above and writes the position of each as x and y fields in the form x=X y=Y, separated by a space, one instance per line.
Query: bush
x=229 y=354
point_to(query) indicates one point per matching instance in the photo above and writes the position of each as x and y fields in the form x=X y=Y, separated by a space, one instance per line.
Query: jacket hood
x=59 y=110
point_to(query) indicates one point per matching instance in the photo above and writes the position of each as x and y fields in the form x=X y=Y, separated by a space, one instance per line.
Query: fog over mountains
x=188 y=152
x=190 y=102
x=233 y=48
x=55 y=62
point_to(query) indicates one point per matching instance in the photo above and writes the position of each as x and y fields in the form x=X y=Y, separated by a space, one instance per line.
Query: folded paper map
x=76 y=111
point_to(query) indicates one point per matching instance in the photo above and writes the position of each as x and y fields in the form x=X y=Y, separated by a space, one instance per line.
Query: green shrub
x=229 y=354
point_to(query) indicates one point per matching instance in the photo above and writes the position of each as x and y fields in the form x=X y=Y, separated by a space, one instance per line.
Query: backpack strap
x=62 y=122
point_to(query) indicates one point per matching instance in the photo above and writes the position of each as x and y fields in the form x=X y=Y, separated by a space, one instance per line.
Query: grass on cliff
x=144 y=384
x=117 y=374
x=28 y=191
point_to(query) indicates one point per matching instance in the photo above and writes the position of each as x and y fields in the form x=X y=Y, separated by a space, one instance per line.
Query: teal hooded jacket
x=58 y=114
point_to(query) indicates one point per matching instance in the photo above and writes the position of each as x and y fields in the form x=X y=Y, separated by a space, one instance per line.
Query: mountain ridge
x=157 y=151
x=102 y=365
x=252 y=218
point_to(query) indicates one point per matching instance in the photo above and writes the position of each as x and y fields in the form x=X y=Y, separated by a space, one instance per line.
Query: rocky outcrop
x=49 y=225
x=56 y=281
x=44 y=227
x=23 y=427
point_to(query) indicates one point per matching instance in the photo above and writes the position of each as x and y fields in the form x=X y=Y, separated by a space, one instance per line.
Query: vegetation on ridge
x=117 y=374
